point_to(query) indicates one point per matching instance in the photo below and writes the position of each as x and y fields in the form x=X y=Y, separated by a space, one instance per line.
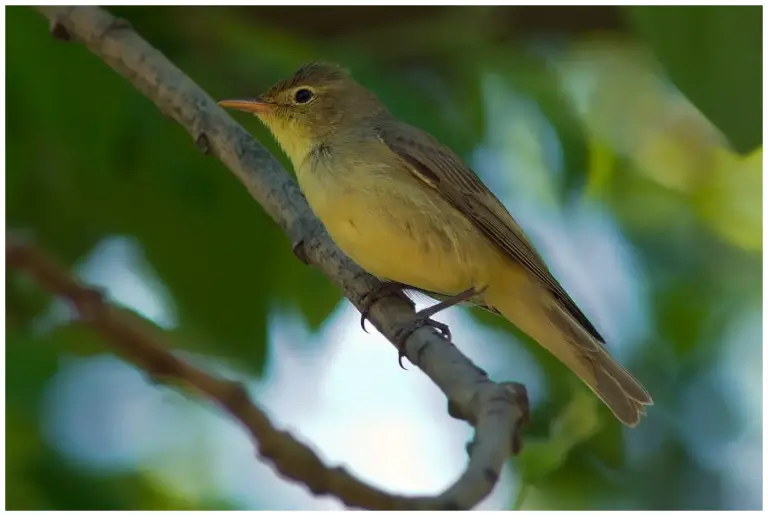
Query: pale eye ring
x=302 y=96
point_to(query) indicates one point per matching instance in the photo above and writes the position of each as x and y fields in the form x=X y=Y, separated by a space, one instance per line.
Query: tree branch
x=496 y=410
x=139 y=341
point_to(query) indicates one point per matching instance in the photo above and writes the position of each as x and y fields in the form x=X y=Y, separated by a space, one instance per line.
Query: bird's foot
x=421 y=319
x=382 y=291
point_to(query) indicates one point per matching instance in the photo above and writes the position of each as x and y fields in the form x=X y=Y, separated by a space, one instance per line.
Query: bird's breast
x=396 y=227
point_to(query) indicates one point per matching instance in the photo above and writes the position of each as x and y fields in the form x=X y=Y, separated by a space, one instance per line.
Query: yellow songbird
x=410 y=211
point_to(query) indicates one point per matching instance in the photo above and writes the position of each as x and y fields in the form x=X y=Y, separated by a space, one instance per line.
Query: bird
x=411 y=212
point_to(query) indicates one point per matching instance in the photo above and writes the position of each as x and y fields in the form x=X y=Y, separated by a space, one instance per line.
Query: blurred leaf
x=34 y=360
x=731 y=199
x=531 y=76
x=668 y=141
x=309 y=290
x=576 y=423
x=49 y=483
x=539 y=458
x=714 y=55
x=78 y=339
x=602 y=164
x=607 y=444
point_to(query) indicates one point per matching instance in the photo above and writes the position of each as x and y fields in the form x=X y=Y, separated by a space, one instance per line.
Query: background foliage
x=645 y=121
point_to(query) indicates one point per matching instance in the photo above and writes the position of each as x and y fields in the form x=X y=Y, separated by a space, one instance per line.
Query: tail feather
x=552 y=327
x=618 y=390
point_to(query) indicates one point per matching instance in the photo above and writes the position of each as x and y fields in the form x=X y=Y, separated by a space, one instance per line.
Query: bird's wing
x=443 y=170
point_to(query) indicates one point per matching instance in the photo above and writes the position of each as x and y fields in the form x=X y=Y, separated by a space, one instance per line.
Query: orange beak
x=247 y=105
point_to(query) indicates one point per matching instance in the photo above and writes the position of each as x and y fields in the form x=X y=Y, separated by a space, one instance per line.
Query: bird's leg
x=422 y=318
x=382 y=291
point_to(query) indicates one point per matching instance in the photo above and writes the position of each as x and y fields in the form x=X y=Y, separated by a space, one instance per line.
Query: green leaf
x=32 y=361
x=577 y=423
x=78 y=339
x=714 y=56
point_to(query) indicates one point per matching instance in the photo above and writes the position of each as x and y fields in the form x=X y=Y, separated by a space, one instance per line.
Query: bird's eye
x=303 y=96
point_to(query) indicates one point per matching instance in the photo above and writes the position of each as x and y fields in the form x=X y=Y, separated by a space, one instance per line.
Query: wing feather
x=443 y=170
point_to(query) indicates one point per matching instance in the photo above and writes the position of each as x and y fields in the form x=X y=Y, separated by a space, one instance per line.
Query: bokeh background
x=627 y=141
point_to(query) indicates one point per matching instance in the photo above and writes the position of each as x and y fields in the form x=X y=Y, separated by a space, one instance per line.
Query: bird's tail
x=544 y=320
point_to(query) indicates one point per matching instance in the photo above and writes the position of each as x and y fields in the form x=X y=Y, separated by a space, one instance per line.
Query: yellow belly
x=406 y=233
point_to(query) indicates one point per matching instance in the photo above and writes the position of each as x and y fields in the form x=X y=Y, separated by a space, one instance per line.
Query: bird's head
x=303 y=110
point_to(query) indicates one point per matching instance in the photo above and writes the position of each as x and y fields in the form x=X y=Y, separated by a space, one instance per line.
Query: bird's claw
x=364 y=316
x=402 y=334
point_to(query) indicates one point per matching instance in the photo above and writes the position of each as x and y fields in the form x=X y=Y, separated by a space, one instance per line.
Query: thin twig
x=497 y=410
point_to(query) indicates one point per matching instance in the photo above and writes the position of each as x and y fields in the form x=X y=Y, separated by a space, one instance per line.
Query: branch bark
x=496 y=410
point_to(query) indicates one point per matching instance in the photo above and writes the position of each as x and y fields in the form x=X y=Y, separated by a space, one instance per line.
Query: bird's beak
x=248 y=105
